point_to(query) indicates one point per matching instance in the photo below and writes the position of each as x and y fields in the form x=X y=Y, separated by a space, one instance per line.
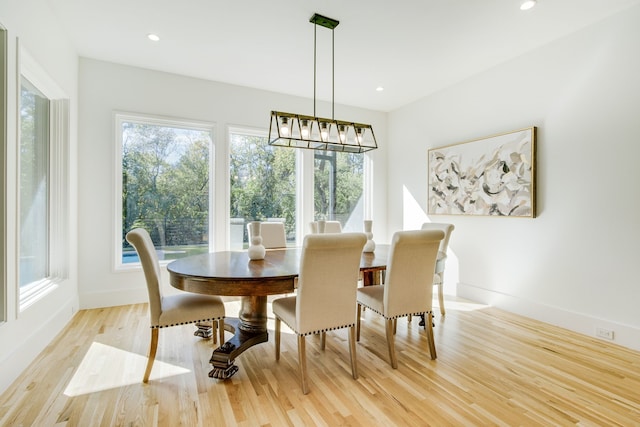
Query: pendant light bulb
x=324 y=131
x=284 y=129
x=341 y=132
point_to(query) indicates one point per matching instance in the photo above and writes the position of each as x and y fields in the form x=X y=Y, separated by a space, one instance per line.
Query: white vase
x=256 y=248
x=370 y=245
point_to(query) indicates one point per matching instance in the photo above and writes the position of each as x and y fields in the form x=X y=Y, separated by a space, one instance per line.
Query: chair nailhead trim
x=318 y=331
x=399 y=315
x=186 y=323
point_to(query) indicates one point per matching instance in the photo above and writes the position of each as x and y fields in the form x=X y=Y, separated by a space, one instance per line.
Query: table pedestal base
x=373 y=276
x=250 y=329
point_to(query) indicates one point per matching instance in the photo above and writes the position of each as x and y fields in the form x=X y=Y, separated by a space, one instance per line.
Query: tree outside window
x=338 y=188
x=262 y=184
x=165 y=187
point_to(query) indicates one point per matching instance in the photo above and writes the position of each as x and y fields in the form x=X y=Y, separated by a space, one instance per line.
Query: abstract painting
x=493 y=176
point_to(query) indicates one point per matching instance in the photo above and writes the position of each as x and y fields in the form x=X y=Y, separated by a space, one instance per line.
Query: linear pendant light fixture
x=317 y=133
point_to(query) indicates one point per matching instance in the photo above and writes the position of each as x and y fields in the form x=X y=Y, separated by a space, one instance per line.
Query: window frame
x=58 y=205
x=156 y=120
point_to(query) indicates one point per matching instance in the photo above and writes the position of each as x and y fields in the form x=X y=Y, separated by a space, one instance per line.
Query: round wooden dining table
x=231 y=273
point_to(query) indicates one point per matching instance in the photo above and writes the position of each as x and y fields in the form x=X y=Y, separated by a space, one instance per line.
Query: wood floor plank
x=493 y=368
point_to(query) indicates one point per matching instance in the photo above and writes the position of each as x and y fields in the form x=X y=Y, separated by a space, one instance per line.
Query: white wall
x=25 y=334
x=107 y=87
x=573 y=265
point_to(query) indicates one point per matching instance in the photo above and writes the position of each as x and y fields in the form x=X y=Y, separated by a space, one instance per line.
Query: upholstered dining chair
x=411 y=263
x=326 y=298
x=332 y=227
x=438 y=276
x=273 y=234
x=171 y=310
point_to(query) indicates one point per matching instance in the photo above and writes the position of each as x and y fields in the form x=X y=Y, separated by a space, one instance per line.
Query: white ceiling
x=410 y=47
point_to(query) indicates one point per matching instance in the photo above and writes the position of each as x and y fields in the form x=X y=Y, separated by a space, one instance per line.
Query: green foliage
x=348 y=170
x=262 y=181
x=165 y=180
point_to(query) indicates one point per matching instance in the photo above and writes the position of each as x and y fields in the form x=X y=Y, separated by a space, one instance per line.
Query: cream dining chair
x=411 y=263
x=273 y=234
x=438 y=276
x=171 y=310
x=326 y=299
x=332 y=227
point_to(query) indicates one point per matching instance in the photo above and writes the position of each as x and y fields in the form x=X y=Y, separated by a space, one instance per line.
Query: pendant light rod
x=315 y=66
x=333 y=74
x=329 y=23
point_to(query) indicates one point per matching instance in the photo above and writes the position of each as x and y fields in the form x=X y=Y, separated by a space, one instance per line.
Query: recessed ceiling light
x=527 y=4
x=153 y=37
x=379 y=88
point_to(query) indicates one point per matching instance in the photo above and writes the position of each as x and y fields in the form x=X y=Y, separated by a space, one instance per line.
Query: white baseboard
x=113 y=298
x=624 y=335
x=27 y=350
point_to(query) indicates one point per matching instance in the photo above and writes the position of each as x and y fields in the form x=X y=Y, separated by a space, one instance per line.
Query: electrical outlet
x=604 y=333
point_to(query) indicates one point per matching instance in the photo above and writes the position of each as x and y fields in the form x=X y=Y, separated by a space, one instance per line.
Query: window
x=338 y=188
x=43 y=193
x=34 y=184
x=262 y=185
x=165 y=170
x=166 y=186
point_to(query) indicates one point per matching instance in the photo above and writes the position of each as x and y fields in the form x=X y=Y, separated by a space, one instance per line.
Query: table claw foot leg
x=223 y=373
x=227 y=347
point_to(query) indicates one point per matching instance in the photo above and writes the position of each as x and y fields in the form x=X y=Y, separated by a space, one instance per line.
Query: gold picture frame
x=492 y=176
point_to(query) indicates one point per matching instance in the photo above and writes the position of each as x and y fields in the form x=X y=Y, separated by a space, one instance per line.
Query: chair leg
x=153 y=346
x=302 y=360
x=323 y=340
x=441 y=298
x=428 y=327
x=221 y=331
x=395 y=326
x=388 y=326
x=277 y=340
x=358 y=322
x=214 y=330
x=352 y=352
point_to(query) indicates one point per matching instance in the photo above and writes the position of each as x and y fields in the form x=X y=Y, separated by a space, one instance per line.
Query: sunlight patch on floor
x=105 y=367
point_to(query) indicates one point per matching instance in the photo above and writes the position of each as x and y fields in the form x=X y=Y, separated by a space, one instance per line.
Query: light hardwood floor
x=493 y=368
